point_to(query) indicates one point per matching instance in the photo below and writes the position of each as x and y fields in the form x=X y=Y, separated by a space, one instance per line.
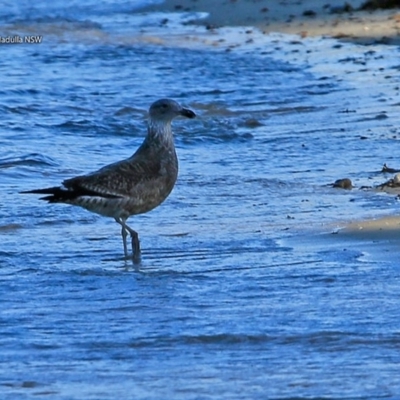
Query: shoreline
x=310 y=18
x=306 y=18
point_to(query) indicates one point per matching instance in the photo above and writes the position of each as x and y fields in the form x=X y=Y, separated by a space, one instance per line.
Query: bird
x=131 y=186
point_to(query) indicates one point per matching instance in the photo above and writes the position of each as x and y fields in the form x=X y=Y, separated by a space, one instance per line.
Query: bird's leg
x=136 y=254
x=135 y=240
x=124 y=234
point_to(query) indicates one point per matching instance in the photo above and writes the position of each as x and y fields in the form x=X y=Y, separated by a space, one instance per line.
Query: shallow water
x=243 y=290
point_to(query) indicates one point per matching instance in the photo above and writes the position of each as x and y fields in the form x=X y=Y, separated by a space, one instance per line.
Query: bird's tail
x=57 y=194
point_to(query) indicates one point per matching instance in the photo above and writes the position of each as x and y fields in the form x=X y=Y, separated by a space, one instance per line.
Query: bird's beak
x=185 y=112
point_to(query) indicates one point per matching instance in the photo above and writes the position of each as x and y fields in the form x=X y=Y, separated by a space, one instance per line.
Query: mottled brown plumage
x=132 y=186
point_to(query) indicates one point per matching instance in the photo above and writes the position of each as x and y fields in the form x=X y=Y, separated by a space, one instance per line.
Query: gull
x=134 y=185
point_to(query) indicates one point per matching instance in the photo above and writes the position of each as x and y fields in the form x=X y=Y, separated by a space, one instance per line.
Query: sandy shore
x=389 y=225
x=302 y=17
x=379 y=237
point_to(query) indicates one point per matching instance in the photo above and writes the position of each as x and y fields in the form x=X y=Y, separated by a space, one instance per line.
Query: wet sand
x=377 y=238
x=335 y=18
x=389 y=226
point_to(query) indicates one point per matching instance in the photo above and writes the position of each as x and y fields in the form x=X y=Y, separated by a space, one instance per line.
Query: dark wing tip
x=51 y=190
x=56 y=194
x=60 y=194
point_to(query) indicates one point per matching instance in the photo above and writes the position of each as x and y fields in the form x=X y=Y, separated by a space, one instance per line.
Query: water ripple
x=30 y=160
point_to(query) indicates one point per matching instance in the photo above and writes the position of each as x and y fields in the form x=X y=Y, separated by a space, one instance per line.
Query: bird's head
x=167 y=109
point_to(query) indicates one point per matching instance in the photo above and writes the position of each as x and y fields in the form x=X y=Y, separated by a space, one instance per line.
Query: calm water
x=243 y=293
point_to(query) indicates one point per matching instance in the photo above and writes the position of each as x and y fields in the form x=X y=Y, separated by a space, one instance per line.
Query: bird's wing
x=118 y=179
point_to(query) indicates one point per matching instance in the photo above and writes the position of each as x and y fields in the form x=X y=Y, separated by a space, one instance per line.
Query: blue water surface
x=244 y=291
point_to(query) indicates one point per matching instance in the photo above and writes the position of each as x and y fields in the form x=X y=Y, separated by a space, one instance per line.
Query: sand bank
x=334 y=18
x=378 y=237
x=389 y=225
